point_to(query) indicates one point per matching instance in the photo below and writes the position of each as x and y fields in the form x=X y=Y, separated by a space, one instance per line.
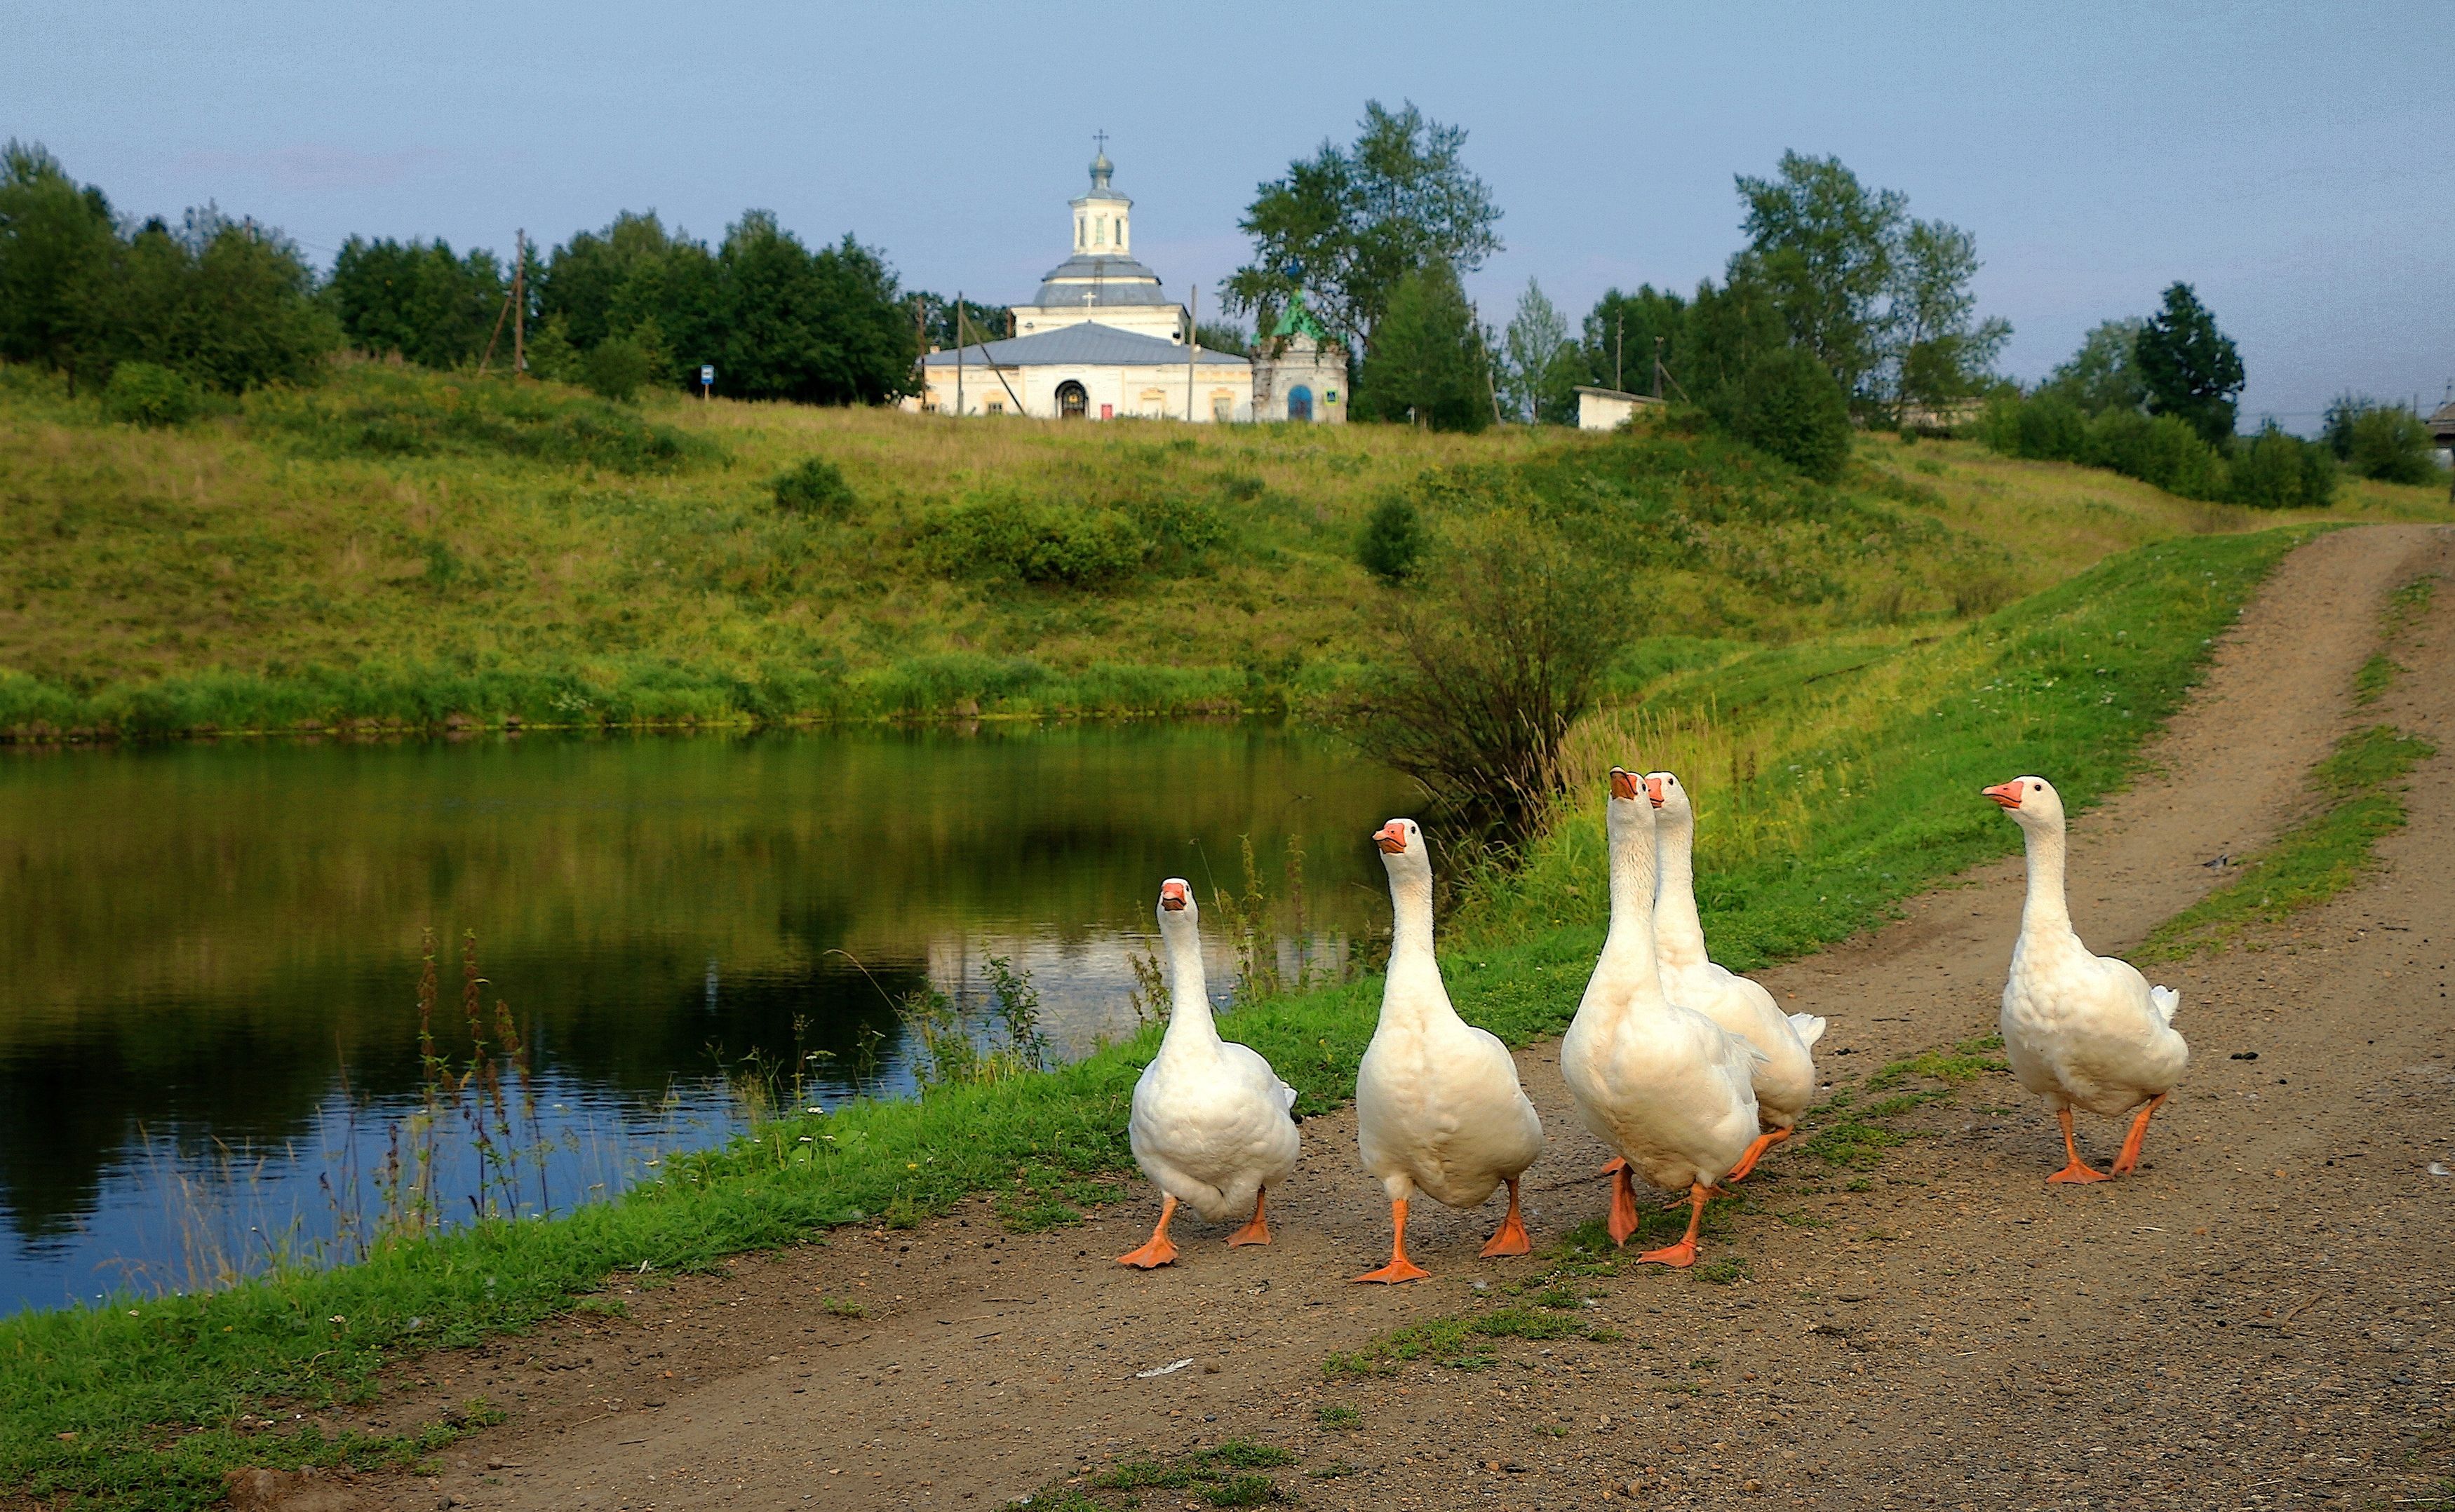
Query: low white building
x=1102 y=340
x=1610 y=409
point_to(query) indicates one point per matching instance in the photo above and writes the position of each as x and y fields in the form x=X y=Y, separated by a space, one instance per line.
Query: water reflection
x=213 y=951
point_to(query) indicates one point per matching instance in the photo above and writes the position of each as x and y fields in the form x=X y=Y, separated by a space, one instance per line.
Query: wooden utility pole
x=1193 y=342
x=1619 y=348
x=519 y=302
x=1491 y=385
x=959 y=351
x=1658 y=367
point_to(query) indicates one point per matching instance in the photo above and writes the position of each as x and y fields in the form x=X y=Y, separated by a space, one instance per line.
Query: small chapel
x=1101 y=341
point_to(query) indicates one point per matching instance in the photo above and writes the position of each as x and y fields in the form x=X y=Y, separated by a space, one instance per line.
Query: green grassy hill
x=407 y=549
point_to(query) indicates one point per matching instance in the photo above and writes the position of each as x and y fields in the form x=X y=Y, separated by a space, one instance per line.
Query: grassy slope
x=392 y=548
x=1889 y=755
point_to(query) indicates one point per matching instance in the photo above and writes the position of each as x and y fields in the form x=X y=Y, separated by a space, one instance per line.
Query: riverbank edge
x=138 y=1401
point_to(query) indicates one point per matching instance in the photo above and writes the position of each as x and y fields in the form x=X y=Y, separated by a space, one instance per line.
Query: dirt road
x=2256 y=1318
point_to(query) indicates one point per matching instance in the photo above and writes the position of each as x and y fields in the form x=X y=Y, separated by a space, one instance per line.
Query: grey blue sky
x=2295 y=162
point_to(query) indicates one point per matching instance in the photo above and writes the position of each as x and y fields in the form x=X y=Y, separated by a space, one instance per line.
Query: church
x=1101 y=341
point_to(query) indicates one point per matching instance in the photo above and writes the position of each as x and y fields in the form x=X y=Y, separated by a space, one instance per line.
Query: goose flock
x=1690 y=1072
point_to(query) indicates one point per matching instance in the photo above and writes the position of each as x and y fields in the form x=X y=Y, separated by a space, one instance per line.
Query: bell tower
x=1103 y=217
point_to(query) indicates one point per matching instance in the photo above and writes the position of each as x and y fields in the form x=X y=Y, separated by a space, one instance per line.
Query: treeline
x=163 y=317
x=2156 y=399
x=1841 y=307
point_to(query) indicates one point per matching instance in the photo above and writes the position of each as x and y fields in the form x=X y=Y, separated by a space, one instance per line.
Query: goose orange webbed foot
x=2128 y=1160
x=2075 y=1171
x=1159 y=1249
x=1511 y=1238
x=1257 y=1230
x=1625 y=1220
x=1683 y=1254
x=1400 y=1268
x=1756 y=1152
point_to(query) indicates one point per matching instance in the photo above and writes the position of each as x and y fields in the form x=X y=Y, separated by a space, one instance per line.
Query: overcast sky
x=2295 y=163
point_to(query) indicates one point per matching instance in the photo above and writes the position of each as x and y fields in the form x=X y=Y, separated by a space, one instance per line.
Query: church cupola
x=1102 y=216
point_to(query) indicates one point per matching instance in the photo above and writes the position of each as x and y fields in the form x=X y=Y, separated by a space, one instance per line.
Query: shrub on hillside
x=1003 y=536
x=617 y=367
x=2385 y=441
x=390 y=411
x=1392 y=541
x=817 y=487
x=2162 y=451
x=2280 y=471
x=148 y=394
x=1790 y=405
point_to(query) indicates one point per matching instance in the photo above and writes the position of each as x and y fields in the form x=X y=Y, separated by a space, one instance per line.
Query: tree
x=822 y=328
x=1824 y=246
x=1939 y=352
x=229 y=303
x=1393 y=540
x=54 y=237
x=417 y=299
x=2192 y=369
x=1350 y=225
x=1725 y=332
x=1790 y=405
x=2104 y=373
x=1224 y=335
x=1539 y=365
x=1427 y=362
x=1617 y=340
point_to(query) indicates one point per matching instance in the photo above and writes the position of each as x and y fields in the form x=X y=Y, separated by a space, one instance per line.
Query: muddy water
x=208 y=1031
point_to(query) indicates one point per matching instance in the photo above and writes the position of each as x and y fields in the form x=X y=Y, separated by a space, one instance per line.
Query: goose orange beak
x=1653 y=791
x=1391 y=838
x=1623 y=784
x=1174 y=895
x=2005 y=794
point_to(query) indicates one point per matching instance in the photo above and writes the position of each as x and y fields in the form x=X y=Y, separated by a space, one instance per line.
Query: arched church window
x=1071 y=400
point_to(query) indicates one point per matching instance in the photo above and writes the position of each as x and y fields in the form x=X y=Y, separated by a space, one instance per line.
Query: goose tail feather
x=1810 y=1027
x=2166 y=999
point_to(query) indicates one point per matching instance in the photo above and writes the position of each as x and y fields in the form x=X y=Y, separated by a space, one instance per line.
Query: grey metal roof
x=1085 y=344
x=1089 y=278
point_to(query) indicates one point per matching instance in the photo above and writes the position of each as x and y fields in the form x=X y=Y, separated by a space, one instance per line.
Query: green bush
x=1791 y=405
x=150 y=394
x=2162 y=451
x=404 y=413
x=817 y=487
x=2280 y=471
x=1003 y=536
x=2051 y=429
x=1393 y=542
x=2385 y=441
x=617 y=367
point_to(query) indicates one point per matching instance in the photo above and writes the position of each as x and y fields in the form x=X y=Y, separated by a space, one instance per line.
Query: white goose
x=1785 y=1079
x=1210 y=1121
x=2080 y=1030
x=1667 y=1087
x=1437 y=1103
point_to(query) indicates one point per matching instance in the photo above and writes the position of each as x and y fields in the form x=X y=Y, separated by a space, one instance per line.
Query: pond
x=210 y=1046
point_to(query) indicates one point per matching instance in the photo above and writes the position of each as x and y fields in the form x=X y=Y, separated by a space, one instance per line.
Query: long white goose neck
x=1629 y=952
x=1191 y=1025
x=1414 y=972
x=1677 y=933
x=2046 y=912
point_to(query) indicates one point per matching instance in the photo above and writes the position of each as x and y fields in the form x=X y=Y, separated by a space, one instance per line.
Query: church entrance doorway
x=1071 y=400
x=1300 y=403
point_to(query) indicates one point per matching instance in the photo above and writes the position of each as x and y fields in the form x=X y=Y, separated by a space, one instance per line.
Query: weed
x=1722 y=1271
x=1336 y=1469
x=839 y=1307
x=1338 y=1417
x=2361 y=786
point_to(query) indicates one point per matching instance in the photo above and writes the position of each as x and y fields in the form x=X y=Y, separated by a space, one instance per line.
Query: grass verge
x=139 y=1404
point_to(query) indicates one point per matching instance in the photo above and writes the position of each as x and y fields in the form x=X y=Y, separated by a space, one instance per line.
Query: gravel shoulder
x=2256 y=1317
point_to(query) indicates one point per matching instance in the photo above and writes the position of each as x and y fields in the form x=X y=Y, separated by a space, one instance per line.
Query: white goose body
x=1785 y=1079
x=1667 y=1087
x=1210 y=1121
x=2080 y=1030
x=1437 y=1103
